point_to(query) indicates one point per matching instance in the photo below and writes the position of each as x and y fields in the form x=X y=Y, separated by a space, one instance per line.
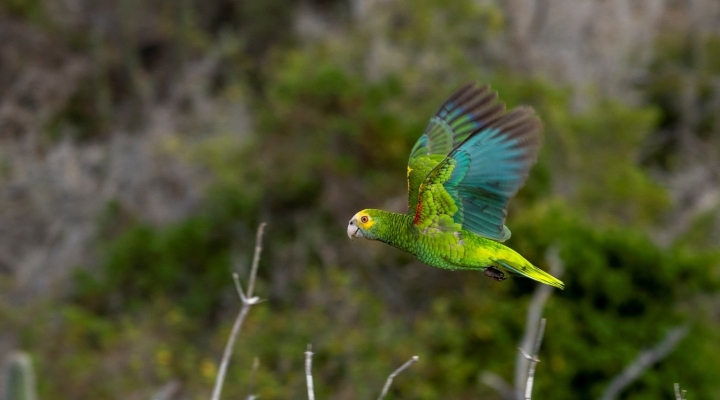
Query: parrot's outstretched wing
x=471 y=187
x=464 y=113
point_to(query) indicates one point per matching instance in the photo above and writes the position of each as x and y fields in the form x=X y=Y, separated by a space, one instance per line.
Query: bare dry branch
x=534 y=314
x=679 y=395
x=308 y=372
x=533 y=359
x=256 y=258
x=247 y=302
x=496 y=382
x=251 y=382
x=644 y=360
x=167 y=391
x=395 y=373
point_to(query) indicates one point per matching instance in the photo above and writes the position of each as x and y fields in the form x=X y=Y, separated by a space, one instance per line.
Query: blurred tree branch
x=308 y=372
x=395 y=373
x=644 y=361
x=247 y=302
x=533 y=359
x=679 y=395
x=524 y=362
x=525 y=22
x=496 y=382
x=534 y=315
x=251 y=384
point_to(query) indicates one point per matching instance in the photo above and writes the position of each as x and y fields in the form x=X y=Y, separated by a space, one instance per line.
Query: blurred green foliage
x=30 y=10
x=331 y=137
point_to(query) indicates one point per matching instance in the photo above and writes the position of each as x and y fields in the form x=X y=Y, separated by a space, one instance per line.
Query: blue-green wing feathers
x=488 y=168
x=462 y=114
x=468 y=110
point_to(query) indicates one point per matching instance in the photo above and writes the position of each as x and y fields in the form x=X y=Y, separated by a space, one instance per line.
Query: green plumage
x=472 y=158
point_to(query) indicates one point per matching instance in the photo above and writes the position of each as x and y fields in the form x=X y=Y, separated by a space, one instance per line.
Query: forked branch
x=247 y=301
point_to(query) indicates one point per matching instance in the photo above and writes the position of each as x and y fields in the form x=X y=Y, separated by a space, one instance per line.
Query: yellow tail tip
x=530 y=271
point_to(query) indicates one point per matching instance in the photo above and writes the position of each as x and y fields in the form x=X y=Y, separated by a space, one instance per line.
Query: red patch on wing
x=417 y=213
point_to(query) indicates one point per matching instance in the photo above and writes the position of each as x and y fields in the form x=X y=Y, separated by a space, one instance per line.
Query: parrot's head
x=363 y=224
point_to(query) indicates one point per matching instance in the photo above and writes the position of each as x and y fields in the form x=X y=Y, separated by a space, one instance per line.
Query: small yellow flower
x=207 y=369
x=175 y=317
x=163 y=357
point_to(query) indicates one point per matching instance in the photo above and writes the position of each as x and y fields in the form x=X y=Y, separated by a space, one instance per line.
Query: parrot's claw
x=492 y=272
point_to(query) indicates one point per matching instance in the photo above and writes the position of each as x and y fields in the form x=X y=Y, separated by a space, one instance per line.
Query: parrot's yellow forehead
x=364 y=220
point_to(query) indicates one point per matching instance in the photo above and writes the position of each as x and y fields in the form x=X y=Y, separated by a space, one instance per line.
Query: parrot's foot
x=492 y=272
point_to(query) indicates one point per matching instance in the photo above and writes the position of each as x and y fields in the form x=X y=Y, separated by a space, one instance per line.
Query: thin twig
x=247 y=302
x=679 y=395
x=167 y=391
x=256 y=258
x=251 y=383
x=395 y=373
x=308 y=372
x=533 y=359
x=229 y=349
x=496 y=382
x=534 y=314
x=644 y=361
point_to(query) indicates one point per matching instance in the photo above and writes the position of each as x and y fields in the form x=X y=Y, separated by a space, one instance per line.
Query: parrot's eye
x=364 y=219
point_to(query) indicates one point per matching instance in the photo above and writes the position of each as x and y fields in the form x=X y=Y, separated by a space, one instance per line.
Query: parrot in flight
x=471 y=159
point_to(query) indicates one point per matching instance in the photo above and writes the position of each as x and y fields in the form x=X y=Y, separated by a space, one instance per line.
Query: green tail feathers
x=530 y=271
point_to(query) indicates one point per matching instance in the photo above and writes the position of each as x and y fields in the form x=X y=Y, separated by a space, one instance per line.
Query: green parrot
x=471 y=159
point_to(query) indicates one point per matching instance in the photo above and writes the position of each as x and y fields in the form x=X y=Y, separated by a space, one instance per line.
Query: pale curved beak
x=353 y=230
